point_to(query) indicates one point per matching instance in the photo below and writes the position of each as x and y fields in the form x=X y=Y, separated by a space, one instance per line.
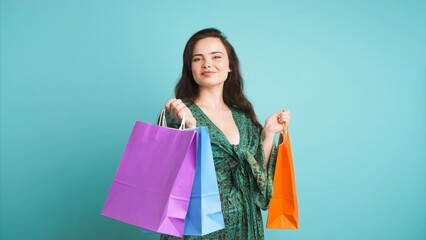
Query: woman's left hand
x=277 y=122
x=274 y=124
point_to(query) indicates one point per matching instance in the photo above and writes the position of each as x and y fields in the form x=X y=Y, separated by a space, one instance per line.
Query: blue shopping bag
x=204 y=212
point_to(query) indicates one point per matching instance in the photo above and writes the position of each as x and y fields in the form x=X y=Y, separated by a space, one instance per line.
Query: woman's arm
x=274 y=124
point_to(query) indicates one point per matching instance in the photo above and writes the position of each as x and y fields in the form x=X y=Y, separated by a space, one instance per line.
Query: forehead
x=208 y=45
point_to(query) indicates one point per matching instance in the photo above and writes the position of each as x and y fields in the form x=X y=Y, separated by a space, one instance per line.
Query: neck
x=211 y=98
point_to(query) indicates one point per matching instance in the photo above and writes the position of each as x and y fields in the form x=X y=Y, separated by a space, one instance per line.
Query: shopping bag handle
x=163 y=122
x=284 y=133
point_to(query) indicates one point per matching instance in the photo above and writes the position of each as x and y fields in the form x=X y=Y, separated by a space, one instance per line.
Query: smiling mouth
x=207 y=73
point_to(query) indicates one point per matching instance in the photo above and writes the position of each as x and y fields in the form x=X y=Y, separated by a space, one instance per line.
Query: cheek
x=194 y=72
x=193 y=68
x=225 y=65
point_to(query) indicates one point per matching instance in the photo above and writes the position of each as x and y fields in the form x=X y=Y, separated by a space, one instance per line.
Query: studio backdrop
x=76 y=75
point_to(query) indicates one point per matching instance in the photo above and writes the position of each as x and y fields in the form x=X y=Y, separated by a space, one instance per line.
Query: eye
x=196 y=59
x=217 y=57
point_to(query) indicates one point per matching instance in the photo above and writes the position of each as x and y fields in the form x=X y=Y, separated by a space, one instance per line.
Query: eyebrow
x=199 y=54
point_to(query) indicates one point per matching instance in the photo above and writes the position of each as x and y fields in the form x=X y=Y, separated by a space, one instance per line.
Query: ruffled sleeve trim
x=262 y=176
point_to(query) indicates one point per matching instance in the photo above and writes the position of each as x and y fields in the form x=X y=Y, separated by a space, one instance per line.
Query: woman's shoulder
x=240 y=115
x=238 y=111
x=244 y=118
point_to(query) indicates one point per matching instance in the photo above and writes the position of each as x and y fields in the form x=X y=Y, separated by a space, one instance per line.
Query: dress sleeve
x=261 y=182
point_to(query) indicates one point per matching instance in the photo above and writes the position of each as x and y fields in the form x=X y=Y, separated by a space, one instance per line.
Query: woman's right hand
x=176 y=108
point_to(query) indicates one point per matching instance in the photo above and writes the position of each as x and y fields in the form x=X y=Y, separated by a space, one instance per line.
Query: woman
x=210 y=93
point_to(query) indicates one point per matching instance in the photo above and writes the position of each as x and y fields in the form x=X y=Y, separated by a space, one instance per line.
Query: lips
x=207 y=73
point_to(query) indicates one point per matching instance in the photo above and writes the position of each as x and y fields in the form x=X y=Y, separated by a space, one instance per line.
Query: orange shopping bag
x=283 y=211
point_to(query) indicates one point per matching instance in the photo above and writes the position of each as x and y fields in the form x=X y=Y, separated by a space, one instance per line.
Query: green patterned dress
x=245 y=184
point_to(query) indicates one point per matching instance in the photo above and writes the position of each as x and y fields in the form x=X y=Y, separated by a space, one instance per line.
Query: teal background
x=76 y=75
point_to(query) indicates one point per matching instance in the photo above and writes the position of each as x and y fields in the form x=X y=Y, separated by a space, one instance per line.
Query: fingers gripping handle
x=163 y=122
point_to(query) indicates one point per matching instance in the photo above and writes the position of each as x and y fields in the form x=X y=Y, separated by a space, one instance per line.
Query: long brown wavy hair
x=233 y=89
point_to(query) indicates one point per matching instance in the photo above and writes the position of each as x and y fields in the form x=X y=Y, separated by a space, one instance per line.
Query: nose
x=206 y=64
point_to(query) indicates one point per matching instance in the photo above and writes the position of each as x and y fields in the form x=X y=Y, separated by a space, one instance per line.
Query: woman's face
x=210 y=63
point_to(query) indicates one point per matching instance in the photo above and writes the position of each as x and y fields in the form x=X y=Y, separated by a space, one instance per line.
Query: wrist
x=267 y=135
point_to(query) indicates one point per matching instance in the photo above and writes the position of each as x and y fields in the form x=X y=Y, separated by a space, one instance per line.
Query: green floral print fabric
x=245 y=183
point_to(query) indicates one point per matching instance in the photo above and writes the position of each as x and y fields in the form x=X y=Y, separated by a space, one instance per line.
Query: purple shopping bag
x=152 y=186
